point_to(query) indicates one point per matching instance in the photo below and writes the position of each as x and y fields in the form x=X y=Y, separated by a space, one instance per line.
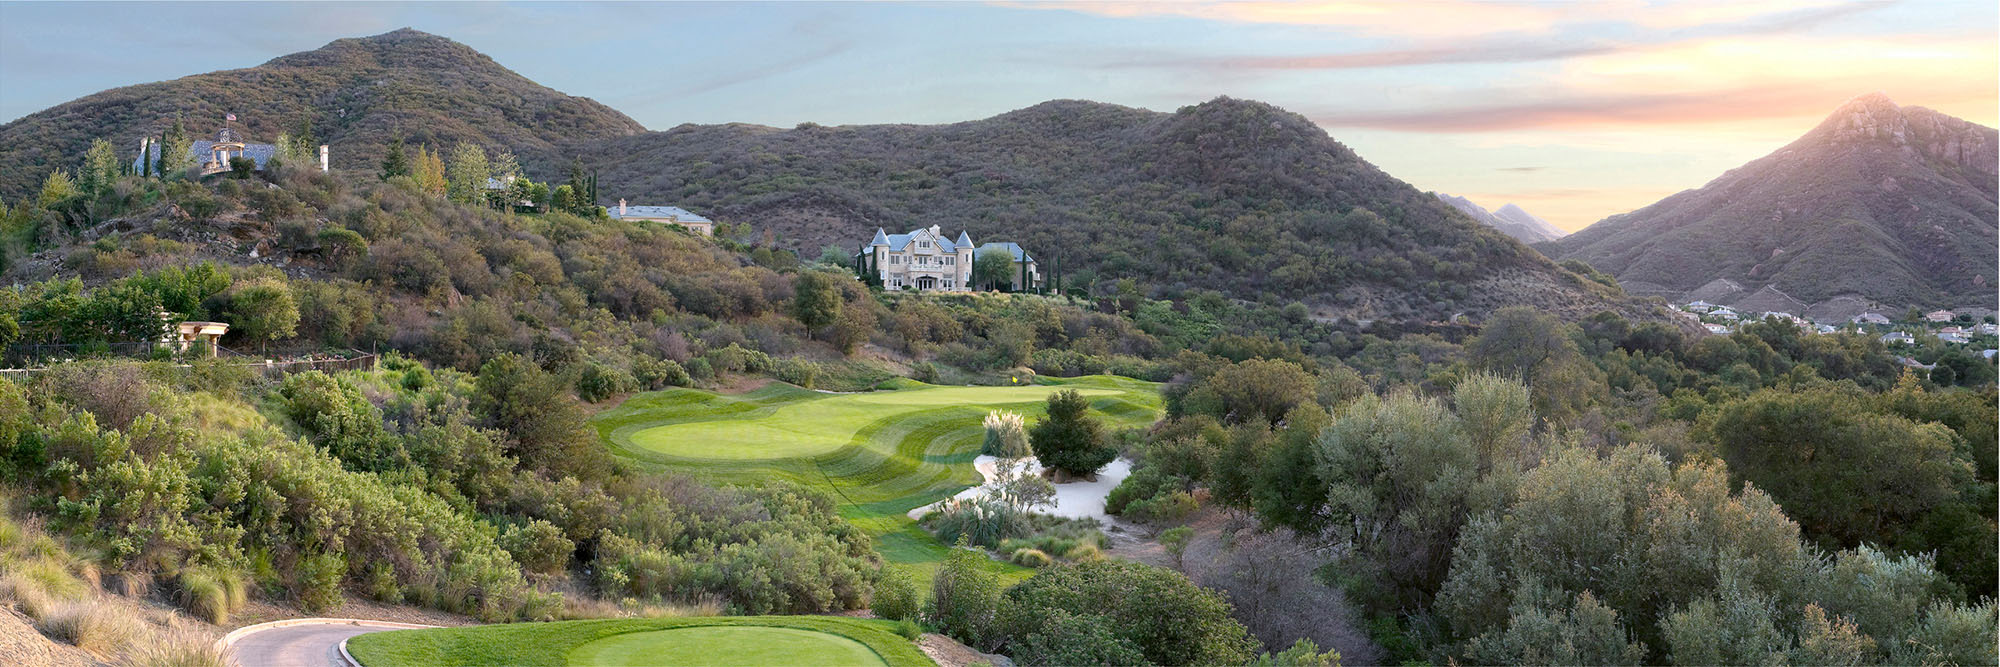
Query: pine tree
x=394 y=162
x=176 y=150
x=146 y=159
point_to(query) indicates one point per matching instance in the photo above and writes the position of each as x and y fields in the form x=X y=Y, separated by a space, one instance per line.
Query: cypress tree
x=394 y=162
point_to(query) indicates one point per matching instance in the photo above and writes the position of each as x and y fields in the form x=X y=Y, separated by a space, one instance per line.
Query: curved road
x=301 y=642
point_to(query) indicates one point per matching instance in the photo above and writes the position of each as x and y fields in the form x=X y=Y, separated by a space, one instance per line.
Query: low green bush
x=1030 y=558
x=896 y=596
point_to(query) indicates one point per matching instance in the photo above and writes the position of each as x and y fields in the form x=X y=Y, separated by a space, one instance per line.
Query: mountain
x=358 y=94
x=1520 y=224
x=1232 y=195
x=1879 y=202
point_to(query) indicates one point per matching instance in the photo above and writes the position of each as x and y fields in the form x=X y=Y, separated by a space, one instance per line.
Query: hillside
x=1881 y=202
x=358 y=93
x=1232 y=195
x=1511 y=219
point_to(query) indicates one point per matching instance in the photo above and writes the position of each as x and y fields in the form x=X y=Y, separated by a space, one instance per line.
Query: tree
x=544 y=423
x=263 y=312
x=1068 y=439
x=992 y=268
x=1401 y=479
x=100 y=169
x=1258 y=389
x=1847 y=473
x=1535 y=347
x=1175 y=540
x=833 y=255
x=466 y=174
x=394 y=161
x=56 y=189
x=564 y=199
x=816 y=299
x=176 y=150
x=430 y=175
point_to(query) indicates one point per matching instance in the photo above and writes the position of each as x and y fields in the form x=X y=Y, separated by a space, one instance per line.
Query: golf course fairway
x=719 y=641
x=880 y=453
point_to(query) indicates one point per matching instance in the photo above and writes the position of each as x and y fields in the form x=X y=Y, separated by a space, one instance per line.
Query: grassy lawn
x=881 y=453
x=740 y=640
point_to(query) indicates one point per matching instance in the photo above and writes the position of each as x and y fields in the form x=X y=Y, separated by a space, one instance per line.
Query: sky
x=1572 y=110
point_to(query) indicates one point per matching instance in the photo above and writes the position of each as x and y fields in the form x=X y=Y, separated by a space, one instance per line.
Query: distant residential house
x=1871 y=318
x=212 y=157
x=1940 y=315
x=669 y=215
x=1027 y=275
x=1724 y=314
x=1717 y=329
x=1954 y=338
x=1988 y=353
x=1898 y=337
x=1826 y=329
x=1987 y=329
x=1952 y=330
x=1701 y=306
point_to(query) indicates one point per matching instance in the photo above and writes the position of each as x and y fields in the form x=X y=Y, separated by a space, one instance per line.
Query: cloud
x=1515 y=48
x=1784 y=81
x=1453 y=19
x=1520 y=170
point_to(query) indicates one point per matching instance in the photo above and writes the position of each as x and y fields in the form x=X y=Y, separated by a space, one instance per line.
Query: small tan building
x=671 y=215
x=190 y=333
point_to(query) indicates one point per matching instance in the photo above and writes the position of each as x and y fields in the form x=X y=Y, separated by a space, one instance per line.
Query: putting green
x=881 y=453
x=724 y=646
x=814 y=427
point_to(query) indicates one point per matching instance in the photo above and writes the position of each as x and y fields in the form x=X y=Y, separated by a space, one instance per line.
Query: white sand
x=1078 y=499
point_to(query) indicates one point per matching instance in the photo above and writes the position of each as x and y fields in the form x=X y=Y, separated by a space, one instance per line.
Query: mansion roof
x=897 y=242
x=675 y=213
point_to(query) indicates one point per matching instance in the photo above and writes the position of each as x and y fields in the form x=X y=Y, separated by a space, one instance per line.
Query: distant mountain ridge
x=359 y=93
x=1520 y=224
x=1882 y=203
x=1231 y=195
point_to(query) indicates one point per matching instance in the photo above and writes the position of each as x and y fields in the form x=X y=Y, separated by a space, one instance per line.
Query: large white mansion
x=924 y=259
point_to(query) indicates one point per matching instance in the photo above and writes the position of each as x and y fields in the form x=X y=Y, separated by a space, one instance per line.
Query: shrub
x=657 y=373
x=1005 y=436
x=176 y=648
x=1166 y=617
x=910 y=629
x=600 y=381
x=91 y=626
x=965 y=599
x=1070 y=639
x=539 y=546
x=211 y=594
x=1083 y=553
x=798 y=371
x=319 y=581
x=1030 y=558
x=896 y=596
x=981 y=521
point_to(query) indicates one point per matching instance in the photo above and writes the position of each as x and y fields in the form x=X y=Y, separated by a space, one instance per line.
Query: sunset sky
x=1574 y=110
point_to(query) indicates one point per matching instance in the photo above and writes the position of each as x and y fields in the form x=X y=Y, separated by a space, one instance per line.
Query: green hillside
x=357 y=93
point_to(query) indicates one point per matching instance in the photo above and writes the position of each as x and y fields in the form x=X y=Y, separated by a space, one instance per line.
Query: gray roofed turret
x=881 y=238
x=964 y=239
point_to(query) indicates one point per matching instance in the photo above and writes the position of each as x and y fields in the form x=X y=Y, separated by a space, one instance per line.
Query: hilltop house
x=921 y=259
x=670 y=215
x=213 y=157
x=1940 y=315
x=1871 y=318
x=1898 y=337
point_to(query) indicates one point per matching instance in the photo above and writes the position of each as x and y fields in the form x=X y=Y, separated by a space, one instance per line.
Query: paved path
x=301 y=642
